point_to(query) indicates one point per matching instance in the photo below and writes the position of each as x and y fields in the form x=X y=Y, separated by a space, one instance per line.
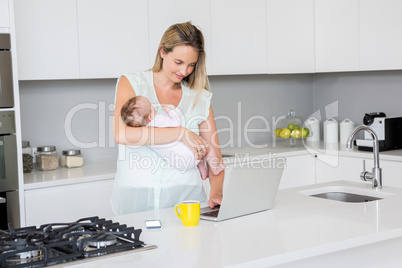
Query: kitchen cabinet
x=380 y=38
x=81 y=41
x=196 y=11
x=238 y=35
x=299 y=171
x=391 y=172
x=290 y=36
x=47 y=39
x=113 y=37
x=332 y=167
x=4 y=14
x=336 y=35
x=68 y=202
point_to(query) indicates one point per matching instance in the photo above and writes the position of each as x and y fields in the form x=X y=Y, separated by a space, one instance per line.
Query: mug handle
x=175 y=210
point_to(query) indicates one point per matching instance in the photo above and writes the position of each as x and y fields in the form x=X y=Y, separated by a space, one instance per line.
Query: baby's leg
x=203 y=170
x=213 y=162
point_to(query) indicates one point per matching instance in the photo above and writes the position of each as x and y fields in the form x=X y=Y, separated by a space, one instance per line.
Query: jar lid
x=48 y=148
x=25 y=144
x=71 y=152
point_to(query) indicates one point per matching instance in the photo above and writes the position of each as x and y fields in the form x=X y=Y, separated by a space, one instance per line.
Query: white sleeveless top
x=144 y=181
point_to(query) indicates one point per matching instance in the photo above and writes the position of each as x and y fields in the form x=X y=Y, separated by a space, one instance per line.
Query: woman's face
x=179 y=63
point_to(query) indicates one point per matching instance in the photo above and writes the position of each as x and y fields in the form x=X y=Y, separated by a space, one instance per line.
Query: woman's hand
x=195 y=142
x=215 y=199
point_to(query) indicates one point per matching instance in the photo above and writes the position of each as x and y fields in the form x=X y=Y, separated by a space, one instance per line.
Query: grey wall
x=359 y=93
x=257 y=98
x=45 y=105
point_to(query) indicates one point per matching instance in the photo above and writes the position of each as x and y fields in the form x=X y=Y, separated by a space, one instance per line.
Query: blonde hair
x=132 y=114
x=189 y=35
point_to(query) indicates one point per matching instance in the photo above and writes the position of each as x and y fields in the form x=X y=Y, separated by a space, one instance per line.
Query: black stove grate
x=58 y=243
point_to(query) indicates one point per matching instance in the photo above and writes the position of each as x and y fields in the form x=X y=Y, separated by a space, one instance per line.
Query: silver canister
x=71 y=158
x=46 y=158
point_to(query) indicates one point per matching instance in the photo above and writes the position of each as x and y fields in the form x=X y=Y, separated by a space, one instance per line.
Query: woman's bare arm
x=209 y=133
x=124 y=134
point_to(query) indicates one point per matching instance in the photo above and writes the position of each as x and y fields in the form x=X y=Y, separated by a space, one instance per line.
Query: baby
x=138 y=111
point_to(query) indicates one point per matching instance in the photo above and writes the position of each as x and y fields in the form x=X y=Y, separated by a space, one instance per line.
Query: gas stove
x=59 y=244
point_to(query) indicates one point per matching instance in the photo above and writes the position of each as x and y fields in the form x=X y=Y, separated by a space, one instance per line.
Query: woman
x=143 y=180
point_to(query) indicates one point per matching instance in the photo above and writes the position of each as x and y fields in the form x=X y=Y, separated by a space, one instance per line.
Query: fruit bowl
x=291 y=128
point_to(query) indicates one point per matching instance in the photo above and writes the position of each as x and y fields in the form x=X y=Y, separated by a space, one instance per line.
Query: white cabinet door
x=68 y=203
x=4 y=14
x=238 y=37
x=47 y=39
x=113 y=37
x=163 y=14
x=337 y=35
x=334 y=168
x=299 y=171
x=380 y=34
x=391 y=172
x=290 y=33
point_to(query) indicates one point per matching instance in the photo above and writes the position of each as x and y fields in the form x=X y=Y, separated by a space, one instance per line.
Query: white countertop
x=298 y=227
x=63 y=176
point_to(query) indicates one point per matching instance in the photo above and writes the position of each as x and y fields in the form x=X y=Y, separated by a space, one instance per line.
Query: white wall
x=46 y=104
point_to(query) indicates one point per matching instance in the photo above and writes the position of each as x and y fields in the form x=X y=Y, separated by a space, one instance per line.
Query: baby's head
x=137 y=111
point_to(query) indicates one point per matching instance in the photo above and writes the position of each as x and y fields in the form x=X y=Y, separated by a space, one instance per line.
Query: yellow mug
x=189 y=212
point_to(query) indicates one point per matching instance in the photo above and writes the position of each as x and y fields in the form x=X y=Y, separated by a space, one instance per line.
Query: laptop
x=248 y=188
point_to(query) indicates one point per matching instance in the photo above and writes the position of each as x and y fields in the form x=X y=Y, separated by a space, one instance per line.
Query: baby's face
x=147 y=106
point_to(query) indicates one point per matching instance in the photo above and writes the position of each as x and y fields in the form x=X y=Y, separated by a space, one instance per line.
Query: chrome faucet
x=375 y=176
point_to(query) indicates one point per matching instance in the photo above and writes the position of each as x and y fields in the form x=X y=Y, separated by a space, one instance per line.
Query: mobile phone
x=153 y=224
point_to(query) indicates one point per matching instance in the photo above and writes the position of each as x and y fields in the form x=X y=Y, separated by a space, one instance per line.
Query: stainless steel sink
x=347 y=197
x=346 y=194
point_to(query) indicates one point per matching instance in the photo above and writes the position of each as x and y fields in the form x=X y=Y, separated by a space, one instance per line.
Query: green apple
x=305 y=132
x=296 y=134
x=285 y=133
x=277 y=132
x=291 y=127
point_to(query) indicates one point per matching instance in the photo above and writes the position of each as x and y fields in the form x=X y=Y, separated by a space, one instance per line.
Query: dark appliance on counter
x=9 y=210
x=67 y=243
x=387 y=129
x=6 y=76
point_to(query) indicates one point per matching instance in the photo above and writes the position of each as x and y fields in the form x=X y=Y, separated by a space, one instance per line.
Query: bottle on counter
x=46 y=158
x=27 y=157
x=71 y=158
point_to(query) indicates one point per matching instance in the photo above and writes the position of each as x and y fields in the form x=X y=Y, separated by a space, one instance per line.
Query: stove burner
x=25 y=257
x=58 y=243
x=103 y=241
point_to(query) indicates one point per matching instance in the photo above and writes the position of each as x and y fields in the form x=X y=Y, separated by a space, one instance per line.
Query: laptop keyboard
x=211 y=213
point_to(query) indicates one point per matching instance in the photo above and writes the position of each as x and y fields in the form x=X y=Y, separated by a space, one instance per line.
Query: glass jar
x=46 y=158
x=71 y=158
x=27 y=157
x=291 y=128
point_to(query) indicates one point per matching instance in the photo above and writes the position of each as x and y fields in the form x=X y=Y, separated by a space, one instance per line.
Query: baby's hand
x=168 y=107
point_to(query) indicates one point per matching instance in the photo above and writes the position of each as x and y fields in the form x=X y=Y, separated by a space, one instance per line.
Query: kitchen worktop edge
x=105 y=170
